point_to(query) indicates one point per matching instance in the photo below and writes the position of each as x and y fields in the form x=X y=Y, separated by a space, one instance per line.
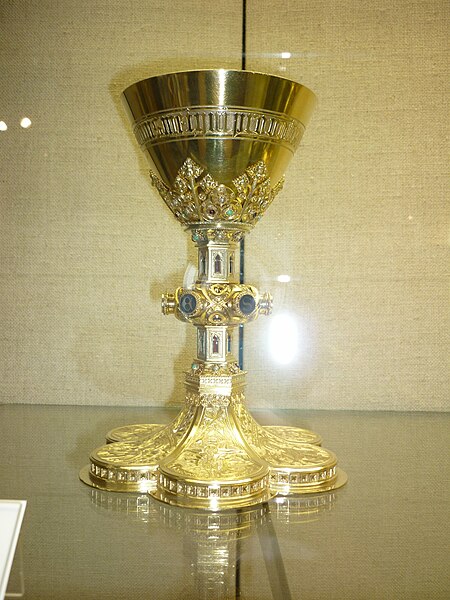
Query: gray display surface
x=382 y=536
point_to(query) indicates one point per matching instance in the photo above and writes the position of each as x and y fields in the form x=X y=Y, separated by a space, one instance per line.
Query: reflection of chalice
x=218 y=143
x=217 y=546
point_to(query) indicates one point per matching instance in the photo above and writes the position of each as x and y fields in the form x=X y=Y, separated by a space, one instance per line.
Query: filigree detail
x=215 y=370
x=197 y=198
x=217 y=400
x=225 y=236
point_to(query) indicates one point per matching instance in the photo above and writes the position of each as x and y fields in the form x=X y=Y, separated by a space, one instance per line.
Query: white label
x=11 y=516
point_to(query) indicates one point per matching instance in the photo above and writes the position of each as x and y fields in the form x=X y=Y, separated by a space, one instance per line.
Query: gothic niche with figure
x=218 y=265
x=201 y=343
x=215 y=344
x=231 y=264
x=202 y=265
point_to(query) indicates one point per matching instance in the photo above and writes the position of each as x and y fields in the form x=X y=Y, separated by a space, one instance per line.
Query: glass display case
x=354 y=252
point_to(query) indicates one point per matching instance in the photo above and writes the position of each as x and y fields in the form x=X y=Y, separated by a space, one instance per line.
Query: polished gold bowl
x=221 y=119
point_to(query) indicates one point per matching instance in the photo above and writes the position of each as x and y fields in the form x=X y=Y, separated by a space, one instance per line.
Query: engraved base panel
x=135 y=433
x=140 y=432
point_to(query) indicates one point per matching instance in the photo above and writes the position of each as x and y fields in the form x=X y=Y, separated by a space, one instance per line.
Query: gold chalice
x=218 y=143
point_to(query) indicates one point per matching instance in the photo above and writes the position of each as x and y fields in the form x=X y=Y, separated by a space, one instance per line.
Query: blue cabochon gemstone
x=188 y=303
x=247 y=304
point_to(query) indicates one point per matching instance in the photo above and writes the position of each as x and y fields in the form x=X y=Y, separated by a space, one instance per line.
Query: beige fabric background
x=361 y=227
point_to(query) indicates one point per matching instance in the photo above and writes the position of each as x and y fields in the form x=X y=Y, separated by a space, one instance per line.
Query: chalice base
x=183 y=463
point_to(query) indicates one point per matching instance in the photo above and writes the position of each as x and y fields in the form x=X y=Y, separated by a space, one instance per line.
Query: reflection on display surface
x=142 y=507
x=213 y=543
x=77 y=542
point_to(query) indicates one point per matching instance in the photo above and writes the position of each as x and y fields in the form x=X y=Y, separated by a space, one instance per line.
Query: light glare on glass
x=285 y=55
x=283 y=339
x=283 y=278
x=3 y=126
x=25 y=122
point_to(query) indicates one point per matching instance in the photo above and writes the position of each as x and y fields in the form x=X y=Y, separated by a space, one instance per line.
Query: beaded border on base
x=121 y=475
x=215 y=490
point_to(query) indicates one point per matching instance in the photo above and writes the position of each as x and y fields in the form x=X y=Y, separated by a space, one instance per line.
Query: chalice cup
x=218 y=143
